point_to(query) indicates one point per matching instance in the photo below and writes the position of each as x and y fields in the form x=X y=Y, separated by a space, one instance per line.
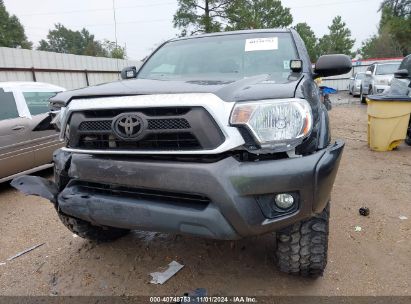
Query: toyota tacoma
x=218 y=135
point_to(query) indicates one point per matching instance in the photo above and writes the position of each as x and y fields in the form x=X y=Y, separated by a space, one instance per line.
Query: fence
x=341 y=82
x=66 y=70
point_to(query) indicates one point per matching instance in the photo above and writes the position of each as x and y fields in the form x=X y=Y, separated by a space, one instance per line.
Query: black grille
x=164 y=129
x=164 y=124
x=168 y=141
x=188 y=200
x=153 y=124
x=95 y=125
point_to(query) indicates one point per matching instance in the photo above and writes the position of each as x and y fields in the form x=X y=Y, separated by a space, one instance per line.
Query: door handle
x=16 y=128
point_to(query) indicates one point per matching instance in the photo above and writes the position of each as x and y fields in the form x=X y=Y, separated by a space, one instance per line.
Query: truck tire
x=302 y=248
x=88 y=231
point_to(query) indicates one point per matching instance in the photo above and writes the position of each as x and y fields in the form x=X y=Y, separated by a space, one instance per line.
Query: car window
x=386 y=69
x=229 y=57
x=38 y=102
x=406 y=64
x=360 y=76
x=8 y=108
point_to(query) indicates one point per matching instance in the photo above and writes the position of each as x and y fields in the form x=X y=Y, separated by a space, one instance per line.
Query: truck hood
x=253 y=88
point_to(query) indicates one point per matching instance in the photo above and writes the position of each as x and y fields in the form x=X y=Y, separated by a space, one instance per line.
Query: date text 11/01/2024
x=203 y=299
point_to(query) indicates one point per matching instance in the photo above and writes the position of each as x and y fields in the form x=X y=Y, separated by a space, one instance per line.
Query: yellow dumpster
x=388 y=119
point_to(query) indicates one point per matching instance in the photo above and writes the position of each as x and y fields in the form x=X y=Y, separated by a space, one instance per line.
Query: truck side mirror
x=368 y=73
x=402 y=74
x=331 y=65
x=129 y=72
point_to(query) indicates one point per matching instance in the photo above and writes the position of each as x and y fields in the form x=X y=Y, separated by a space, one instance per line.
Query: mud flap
x=35 y=185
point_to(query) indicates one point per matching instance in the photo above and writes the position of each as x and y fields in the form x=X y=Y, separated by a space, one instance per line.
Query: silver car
x=355 y=84
x=377 y=78
x=23 y=150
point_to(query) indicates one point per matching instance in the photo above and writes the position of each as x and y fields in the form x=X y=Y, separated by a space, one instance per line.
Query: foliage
x=257 y=14
x=338 y=41
x=206 y=16
x=11 y=30
x=396 y=20
x=309 y=38
x=200 y=16
x=64 y=40
x=399 y=8
x=113 y=50
x=380 y=46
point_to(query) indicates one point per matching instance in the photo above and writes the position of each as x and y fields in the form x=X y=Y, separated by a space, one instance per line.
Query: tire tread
x=302 y=248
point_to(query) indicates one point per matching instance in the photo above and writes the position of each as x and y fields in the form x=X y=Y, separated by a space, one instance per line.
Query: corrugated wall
x=104 y=69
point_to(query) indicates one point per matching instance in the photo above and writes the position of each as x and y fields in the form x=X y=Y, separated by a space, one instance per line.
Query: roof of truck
x=273 y=30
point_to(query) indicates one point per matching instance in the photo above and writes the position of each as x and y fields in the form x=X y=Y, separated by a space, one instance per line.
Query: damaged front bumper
x=226 y=199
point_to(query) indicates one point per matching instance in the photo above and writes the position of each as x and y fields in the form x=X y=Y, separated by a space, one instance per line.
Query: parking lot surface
x=373 y=261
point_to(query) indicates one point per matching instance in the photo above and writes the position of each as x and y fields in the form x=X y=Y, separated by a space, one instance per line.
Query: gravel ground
x=374 y=261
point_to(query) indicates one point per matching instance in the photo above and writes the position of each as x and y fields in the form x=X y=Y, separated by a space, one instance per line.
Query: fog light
x=284 y=200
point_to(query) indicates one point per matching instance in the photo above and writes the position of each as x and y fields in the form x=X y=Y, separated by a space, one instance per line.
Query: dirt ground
x=374 y=261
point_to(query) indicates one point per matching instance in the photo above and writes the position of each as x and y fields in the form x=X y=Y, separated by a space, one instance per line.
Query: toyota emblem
x=128 y=126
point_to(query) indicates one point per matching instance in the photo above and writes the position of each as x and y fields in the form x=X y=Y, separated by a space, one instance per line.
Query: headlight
x=275 y=124
x=382 y=82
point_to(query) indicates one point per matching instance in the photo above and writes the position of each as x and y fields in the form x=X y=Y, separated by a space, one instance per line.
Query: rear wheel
x=302 y=248
x=88 y=231
x=362 y=97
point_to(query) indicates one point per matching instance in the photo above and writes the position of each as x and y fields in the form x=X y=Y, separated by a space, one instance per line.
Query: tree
x=113 y=50
x=11 y=30
x=308 y=36
x=64 y=40
x=200 y=16
x=380 y=46
x=338 y=40
x=257 y=14
x=399 y=8
x=396 y=21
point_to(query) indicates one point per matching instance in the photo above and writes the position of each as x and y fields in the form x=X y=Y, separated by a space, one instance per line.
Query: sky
x=143 y=24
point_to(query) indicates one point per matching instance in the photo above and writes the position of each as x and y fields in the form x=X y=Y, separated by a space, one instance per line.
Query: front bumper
x=233 y=189
x=380 y=89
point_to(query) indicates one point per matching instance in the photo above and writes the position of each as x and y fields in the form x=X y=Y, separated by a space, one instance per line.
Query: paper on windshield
x=261 y=44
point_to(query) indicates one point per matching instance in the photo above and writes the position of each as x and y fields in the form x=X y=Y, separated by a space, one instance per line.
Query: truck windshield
x=386 y=69
x=223 y=58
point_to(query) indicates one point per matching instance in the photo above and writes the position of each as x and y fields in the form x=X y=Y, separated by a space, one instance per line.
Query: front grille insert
x=163 y=129
x=153 y=124
x=95 y=125
x=168 y=141
x=191 y=200
x=170 y=124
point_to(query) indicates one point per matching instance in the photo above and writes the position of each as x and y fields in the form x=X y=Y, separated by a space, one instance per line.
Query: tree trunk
x=207 y=20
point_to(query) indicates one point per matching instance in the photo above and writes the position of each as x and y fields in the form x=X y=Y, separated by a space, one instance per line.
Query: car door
x=44 y=143
x=16 y=154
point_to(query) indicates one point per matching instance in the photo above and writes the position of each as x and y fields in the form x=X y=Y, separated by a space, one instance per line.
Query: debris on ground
x=403 y=217
x=364 y=211
x=162 y=277
x=24 y=252
x=1 y=264
x=357 y=228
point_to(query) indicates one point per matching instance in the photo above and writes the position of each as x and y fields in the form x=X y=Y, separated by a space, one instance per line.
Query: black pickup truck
x=219 y=135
